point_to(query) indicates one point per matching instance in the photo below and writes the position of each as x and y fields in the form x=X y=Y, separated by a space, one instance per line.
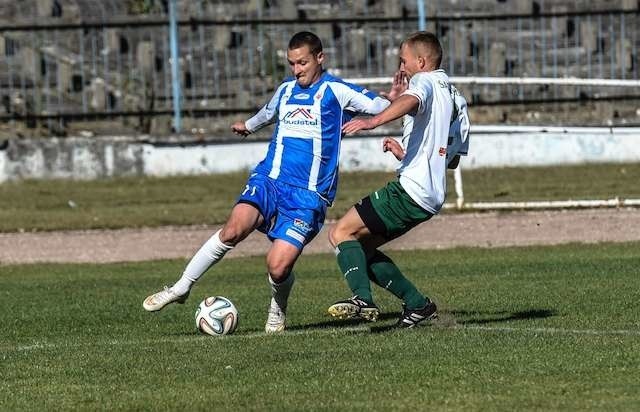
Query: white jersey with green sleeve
x=422 y=172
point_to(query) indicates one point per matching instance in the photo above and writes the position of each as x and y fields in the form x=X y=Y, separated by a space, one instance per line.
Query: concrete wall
x=91 y=158
x=3 y=168
x=74 y=158
x=535 y=146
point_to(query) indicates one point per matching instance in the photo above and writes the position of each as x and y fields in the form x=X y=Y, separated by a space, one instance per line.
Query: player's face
x=410 y=63
x=306 y=67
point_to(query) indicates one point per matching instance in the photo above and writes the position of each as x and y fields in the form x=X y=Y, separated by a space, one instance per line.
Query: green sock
x=387 y=275
x=353 y=264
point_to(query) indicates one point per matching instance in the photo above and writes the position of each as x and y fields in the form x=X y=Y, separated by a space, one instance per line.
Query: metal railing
x=119 y=67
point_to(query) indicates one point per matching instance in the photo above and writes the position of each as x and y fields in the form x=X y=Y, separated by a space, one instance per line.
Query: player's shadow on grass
x=338 y=323
x=446 y=319
x=481 y=318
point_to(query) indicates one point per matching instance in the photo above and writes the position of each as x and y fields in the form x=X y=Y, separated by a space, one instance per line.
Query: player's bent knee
x=339 y=233
x=278 y=272
x=331 y=236
x=230 y=235
x=280 y=263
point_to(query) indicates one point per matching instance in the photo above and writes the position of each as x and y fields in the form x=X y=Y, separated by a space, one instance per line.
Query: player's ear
x=320 y=57
x=422 y=62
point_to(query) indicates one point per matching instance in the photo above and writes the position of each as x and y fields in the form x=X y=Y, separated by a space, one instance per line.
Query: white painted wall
x=489 y=147
x=3 y=166
x=534 y=146
x=213 y=158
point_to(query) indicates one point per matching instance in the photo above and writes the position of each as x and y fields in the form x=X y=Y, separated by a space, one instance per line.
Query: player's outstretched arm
x=240 y=128
x=264 y=117
x=401 y=106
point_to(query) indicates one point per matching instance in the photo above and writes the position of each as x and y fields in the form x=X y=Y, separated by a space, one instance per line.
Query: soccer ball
x=216 y=316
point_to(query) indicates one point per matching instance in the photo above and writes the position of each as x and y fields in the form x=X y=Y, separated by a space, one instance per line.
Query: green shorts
x=390 y=211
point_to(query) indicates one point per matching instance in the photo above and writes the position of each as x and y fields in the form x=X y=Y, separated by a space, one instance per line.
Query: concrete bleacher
x=238 y=65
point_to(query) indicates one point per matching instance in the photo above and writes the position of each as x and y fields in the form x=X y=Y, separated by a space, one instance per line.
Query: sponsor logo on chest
x=299 y=117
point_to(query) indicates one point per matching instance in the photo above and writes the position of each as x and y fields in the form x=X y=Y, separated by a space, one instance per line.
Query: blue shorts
x=291 y=213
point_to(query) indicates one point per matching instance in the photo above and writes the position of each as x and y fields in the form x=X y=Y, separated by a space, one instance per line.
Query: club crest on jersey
x=442 y=151
x=299 y=116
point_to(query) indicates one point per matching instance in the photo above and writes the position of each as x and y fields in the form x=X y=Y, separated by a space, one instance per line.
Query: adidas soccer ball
x=216 y=316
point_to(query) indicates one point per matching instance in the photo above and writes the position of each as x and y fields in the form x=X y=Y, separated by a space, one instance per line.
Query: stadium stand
x=105 y=67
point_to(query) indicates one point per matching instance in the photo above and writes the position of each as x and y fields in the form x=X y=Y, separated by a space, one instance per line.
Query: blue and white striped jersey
x=305 y=145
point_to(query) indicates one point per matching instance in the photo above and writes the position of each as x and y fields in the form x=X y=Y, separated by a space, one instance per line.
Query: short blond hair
x=429 y=42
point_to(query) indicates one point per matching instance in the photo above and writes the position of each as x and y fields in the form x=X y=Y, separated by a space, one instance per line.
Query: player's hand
x=356 y=125
x=390 y=144
x=398 y=86
x=240 y=128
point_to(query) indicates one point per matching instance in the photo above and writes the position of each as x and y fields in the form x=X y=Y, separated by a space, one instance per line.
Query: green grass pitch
x=184 y=200
x=536 y=328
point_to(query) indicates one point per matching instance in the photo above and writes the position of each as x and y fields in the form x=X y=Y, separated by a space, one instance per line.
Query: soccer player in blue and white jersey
x=287 y=194
x=435 y=122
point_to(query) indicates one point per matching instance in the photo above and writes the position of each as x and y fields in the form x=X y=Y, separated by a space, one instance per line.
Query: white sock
x=280 y=291
x=209 y=254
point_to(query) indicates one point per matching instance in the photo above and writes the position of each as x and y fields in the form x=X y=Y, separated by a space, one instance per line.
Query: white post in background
x=175 y=65
x=422 y=18
x=457 y=176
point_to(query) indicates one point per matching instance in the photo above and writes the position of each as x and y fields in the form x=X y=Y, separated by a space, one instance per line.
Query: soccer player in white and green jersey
x=429 y=106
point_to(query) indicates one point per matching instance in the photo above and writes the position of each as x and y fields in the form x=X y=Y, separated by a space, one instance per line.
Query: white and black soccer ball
x=216 y=316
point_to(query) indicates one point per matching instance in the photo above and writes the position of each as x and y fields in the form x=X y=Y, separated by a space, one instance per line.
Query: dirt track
x=448 y=230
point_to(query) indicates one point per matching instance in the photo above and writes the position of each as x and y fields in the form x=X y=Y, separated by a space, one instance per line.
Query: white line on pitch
x=187 y=338
x=328 y=331
x=623 y=332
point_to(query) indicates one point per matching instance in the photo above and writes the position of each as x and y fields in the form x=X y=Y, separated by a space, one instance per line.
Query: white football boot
x=275 y=319
x=161 y=299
